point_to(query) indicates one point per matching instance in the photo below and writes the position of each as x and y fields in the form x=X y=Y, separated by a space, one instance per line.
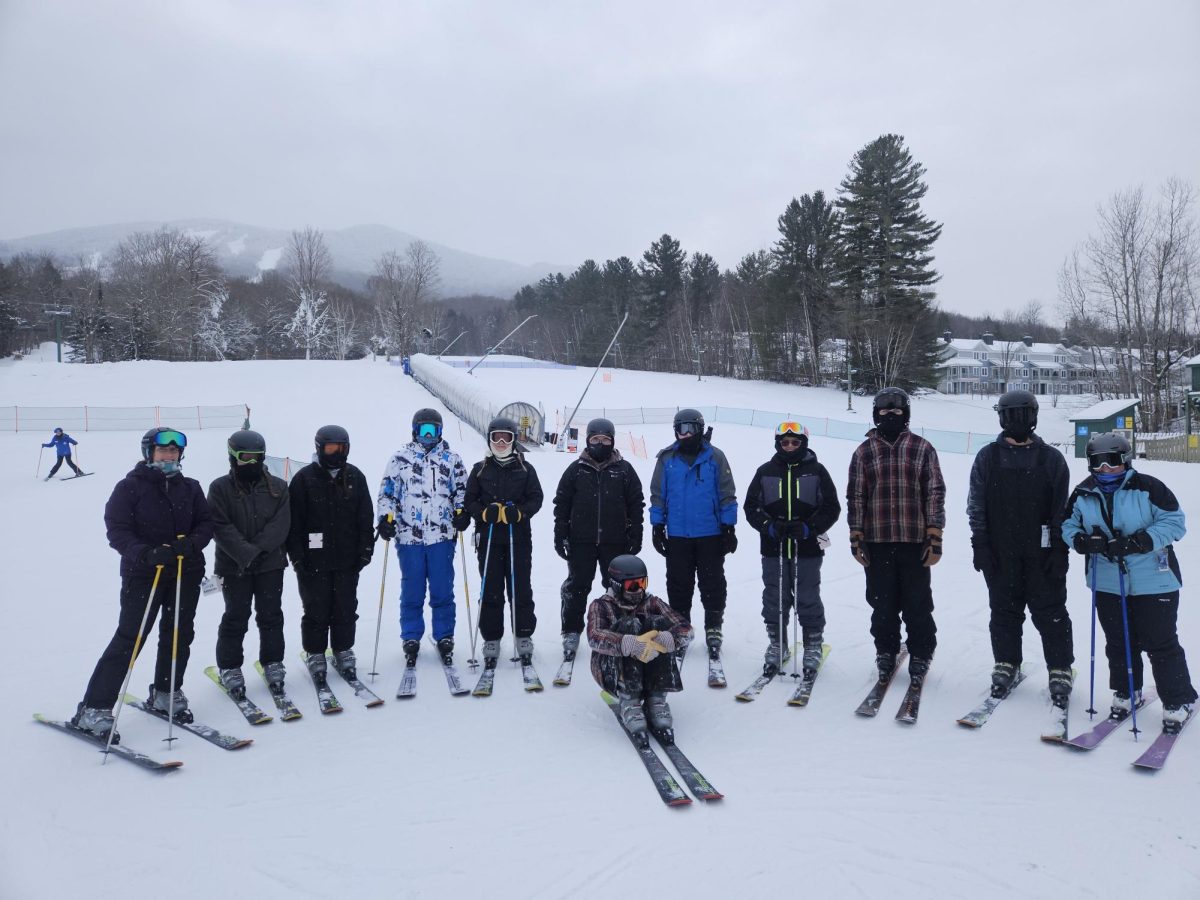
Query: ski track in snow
x=540 y=795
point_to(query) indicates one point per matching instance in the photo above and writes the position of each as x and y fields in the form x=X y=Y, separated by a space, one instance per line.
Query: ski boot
x=345 y=663
x=98 y=722
x=712 y=638
x=570 y=641
x=633 y=717
x=317 y=669
x=1174 y=717
x=813 y=650
x=161 y=701
x=1060 y=687
x=273 y=673
x=525 y=650
x=234 y=682
x=917 y=668
x=1003 y=674
x=885 y=663
x=491 y=653
x=658 y=716
x=411 y=649
x=445 y=649
x=773 y=659
x=1121 y=706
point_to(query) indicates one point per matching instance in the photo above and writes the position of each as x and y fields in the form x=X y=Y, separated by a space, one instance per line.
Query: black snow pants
x=1152 y=621
x=697 y=559
x=1021 y=581
x=497 y=581
x=898 y=587
x=582 y=561
x=330 y=599
x=265 y=591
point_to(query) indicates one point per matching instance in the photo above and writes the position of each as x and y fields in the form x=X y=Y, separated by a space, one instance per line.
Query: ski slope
x=541 y=796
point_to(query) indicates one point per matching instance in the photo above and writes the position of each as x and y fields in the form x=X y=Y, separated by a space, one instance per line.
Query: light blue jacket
x=1141 y=503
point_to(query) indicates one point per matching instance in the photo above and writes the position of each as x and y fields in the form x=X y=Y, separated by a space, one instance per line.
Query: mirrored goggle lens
x=245 y=457
x=166 y=438
x=635 y=584
x=1114 y=459
x=429 y=430
x=789 y=442
x=501 y=437
x=600 y=439
x=687 y=428
x=790 y=428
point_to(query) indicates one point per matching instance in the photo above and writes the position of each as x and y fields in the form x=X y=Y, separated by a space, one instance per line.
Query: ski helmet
x=162 y=437
x=58 y=431
x=1110 y=448
x=427 y=426
x=627 y=579
x=246 y=447
x=601 y=426
x=688 y=422
x=1018 y=413
x=600 y=450
x=891 y=398
x=791 y=430
x=502 y=423
x=332 y=434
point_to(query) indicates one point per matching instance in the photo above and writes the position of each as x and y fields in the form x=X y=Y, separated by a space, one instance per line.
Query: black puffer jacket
x=251 y=523
x=1016 y=491
x=799 y=491
x=600 y=503
x=148 y=509
x=490 y=482
x=332 y=520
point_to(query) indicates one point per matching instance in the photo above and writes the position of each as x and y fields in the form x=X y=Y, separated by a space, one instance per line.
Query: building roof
x=1104 y=409
x=1194 y=361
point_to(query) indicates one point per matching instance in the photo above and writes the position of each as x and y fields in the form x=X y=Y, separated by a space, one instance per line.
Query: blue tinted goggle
x=429 y=430
x=166 y=438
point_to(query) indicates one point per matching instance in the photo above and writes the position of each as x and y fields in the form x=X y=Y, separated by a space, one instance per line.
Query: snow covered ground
x=540 y=796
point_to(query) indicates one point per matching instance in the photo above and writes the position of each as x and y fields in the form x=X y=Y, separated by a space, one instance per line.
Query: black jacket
x=1014 y=492
x=148 y=509
x=251 y=523
x=599 y=503
x=800 y=491
x=490 y=482
x=332 y=520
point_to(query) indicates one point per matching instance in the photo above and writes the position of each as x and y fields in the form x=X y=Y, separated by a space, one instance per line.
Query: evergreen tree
x=887 y=268
x=662 y=276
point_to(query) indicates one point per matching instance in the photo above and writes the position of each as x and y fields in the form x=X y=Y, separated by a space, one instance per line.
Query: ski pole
x=795 y=609
x=462 y=543
x=487 y=558
x=512 y=592
x=38 y=472
x=137 y=646
x=174 y=647
x=387 y=545
x=1092 y=686
x=1128 y=646
x=780 y=638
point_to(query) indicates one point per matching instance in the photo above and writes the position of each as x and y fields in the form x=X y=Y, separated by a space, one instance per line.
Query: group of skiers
x=1023 y=524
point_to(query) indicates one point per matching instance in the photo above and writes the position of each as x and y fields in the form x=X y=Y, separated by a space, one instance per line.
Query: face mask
x=599 y=452
x=246 y=473
x=1109 y=481
x=332 y=460
x=890 y=426
x=1019 y=432
x=168 y=467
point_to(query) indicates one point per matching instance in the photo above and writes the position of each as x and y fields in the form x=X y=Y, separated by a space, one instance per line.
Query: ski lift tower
x=57 y=313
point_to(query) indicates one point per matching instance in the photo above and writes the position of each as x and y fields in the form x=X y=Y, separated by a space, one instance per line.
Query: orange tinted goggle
x=635 y=584
x=792 y=428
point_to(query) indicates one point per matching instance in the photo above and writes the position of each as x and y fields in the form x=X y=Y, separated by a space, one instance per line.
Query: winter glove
x=511 y=515
x=658 y=537
x=1128 y=544
x=797 y=530
x=364 y=557
x=158 y=556
x=666 y=640
x=1091 y=544
x=181 y=546
x=1057 y=562
x=562 y=546
x=633 y=544
x=729 y=538
x=932 y=554
x=461 y=520
x=858 y=549
x=982 y=557
x=493 y=512
x=775 y=528
x=642 y=647
x=385 y=530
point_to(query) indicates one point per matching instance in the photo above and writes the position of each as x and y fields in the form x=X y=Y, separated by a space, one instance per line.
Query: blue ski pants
x=422 y=564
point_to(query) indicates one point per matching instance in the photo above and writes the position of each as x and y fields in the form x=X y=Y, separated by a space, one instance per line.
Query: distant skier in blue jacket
x=1126 y=523
x=62 y=442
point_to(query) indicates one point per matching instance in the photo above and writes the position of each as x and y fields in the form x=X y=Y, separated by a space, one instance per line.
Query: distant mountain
x=246 y=250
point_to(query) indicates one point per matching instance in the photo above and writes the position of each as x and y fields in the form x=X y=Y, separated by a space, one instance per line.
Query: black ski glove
x=182 y=547
x=982 y=557
x=158 y=556
x=1128 y=544
x=562 y=546
x=729 y=538
x=385 y=530
x=1091 y=544
x=1057 y=562
x=462 y=520
x=658 y=537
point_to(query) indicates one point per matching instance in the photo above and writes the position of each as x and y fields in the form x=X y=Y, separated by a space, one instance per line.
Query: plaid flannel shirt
x=895 y=491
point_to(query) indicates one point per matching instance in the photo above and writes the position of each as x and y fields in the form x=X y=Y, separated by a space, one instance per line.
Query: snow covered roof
x=1194 y=361
x=1105 y=408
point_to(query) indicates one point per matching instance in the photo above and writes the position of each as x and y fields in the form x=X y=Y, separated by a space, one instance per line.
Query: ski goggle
x=890 y=410
x=166 y=438
x=429 y=430
x=687 y=428
x=1113 y=459
x=890 y=401
x=502 y=437
x=598 y=439
x=247 y=457
x=632 y=585
x=334 y=447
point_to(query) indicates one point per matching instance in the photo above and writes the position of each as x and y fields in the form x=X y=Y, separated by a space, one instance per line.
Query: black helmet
x=1111 y=447
x=427 y=417
x=622 y=569
x=58 y=431
x=601 y=426
x=246 y=447
x=1018 y=413
x=162 y=437
x=891 y=398
x=689 y=419
x=332 y=434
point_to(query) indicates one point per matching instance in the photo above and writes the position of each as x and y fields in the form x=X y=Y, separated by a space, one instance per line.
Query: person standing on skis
x=62 y=444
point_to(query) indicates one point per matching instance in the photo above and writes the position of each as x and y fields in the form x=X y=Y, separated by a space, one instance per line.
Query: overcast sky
x=557 y=131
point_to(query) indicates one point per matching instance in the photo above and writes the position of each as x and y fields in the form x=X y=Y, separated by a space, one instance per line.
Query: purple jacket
x=147 y=509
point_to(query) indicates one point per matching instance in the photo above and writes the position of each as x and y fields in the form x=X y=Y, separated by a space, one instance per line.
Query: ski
x=874 y=699
x=453 y=682
x=369 y=698
x=246 y=706
x=563 y=676
x=210 y=734
x=529 y=676
x=408 y=683
x=73 y=477
x=716 y=670
x=287 y=709
x=126 y=753
x=668 y=788
x=911 y=704
x=484 y=687
x=1090 y=740
x=329 y=703
x=977 y=717
x=755 y=687
x=1156 y=754
x=696 y=783
x=803 y=692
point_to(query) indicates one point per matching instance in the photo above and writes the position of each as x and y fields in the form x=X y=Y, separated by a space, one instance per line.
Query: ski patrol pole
x=137 y=645
x=387 y=545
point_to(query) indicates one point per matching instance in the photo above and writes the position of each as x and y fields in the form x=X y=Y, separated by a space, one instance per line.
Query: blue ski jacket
x=1141 y=503
x=61 y=444
x=693 y=499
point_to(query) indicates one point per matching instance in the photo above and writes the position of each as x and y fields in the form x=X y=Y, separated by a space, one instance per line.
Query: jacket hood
x=807 y=458
x=614 y=457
